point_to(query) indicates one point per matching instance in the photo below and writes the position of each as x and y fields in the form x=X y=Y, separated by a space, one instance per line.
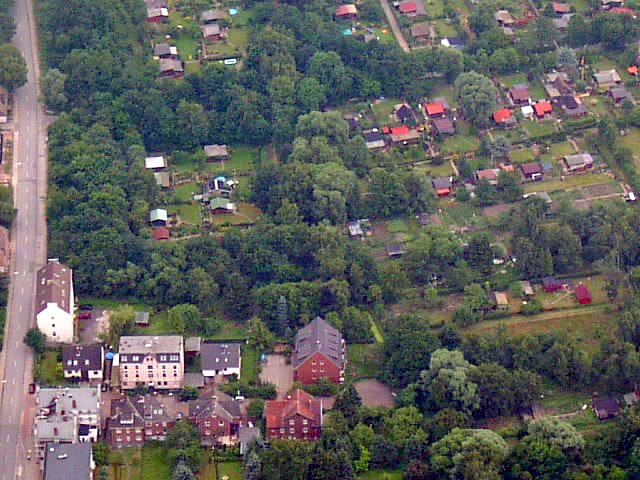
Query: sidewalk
x=394 y=26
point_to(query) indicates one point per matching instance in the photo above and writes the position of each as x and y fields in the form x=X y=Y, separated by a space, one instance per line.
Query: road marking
x=15 y=363
x=20 y=308
x=7 y=438
x=22 y=290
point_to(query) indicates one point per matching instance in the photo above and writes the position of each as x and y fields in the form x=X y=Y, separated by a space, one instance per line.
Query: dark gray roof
x=161 y=49
x=373 y=136
x=142 y=318
x=82 y=357
x=320 y=337
x=64 y=461
x=193 y=380
x=54 y=285
x=218 y=356
x=441 y=182
x=212 y=15
x=205 y=407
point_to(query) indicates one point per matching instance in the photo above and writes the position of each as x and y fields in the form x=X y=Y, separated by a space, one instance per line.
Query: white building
x=55 y=302
x=156 y=362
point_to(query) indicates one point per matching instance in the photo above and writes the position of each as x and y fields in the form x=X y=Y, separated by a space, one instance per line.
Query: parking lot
x=276 y=370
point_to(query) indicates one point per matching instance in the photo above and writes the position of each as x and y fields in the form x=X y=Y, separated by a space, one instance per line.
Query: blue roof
x=347 y=31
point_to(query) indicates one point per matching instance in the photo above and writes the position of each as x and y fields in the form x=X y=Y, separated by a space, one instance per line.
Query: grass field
x=445 y=29
x=246 y=213
x=184 y=191
x=535 y=129
x=250 y=363
x=460 y=144
x=383 y=109
x=447 y=92
x=365 y=360
x=147 y=463
x=575 y=181
x=521 y=155
x=631 y=140
x=187 y=46
x=228 y=470
x=561 y=149
x=242 y=160
x=189 y=213
x=48 y=370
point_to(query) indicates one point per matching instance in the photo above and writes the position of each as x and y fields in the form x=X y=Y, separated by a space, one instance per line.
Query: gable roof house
x=434 y=110
x=504 y=117
x=136 y=419
x=531 y=171
x=583 y=295
x=499 y=300
x=158 y=217
x=220 y=359
x=404 y=135
x=423 y=31
x=542 y=108
x=83 y=362
x=557 y=84
x=620 y=94
x=442 y=186
x=550 y=284
x=63 y=461
x=216 y=153
x=374 y=140
x=157 y=15
x=578 y=162
x=164 y=50
x=319 y=352
x=489 y=174
x=211 y=16
x=605 y=407
x=221 y=205
x=606 y=79
x=298 y=416
x=171 y=68
x=404 y=113
x=156 y=163
x=443 y=126
x=504 y=18
x=608 y=4
x=218 y=421
x=212 y=32
x=408 y=8
x=519 y=94
x=163 y=179
x=55 y=302
x=561 y=8
x=348 y=11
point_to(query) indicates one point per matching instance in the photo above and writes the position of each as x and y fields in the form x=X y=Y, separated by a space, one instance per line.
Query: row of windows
x=164 y=367
x=293 y=422
x=313 y=362
x=293 y=430
x=150 y=375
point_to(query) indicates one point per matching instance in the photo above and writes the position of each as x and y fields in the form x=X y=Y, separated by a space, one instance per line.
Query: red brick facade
x=315 y=367
x=298 y=417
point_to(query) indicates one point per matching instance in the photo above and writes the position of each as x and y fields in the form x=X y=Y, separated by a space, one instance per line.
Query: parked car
x=84 y=315
x=85 y=306
x=32 y=388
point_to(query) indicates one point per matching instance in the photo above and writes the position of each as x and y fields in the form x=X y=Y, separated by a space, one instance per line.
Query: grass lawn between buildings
x=570 y=182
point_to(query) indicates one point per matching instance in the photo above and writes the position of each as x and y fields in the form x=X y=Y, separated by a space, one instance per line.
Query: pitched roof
x=155 y=162
x=64 y=460
x=503 y=16
x=605 y=407
x=434 y=109
x=619 y=93
x=213 y=407
x=82 y=357
x=349 y=9
x=408 y=7
x=487 y=174
x=219 y=202
x=401 y=130
x=578 y=160
x=158 y=214
x=501 y=115
x=212 y=15
x=561 y=7
x=582 y=292
x=211 y=30
x=531 y=168
x=623 y=11
x=54 y=284
x=160 y=233
x=441 y=182
x=607 y=76
x=500 y=298
x=421 y=30
x=218 y=356
x=542 y=108
x=171 y=65
x=318 y=336
x=404 y=112
x=299 y=402
x=519 y=92
x=215 y=150
x=443 y=125
x=633 y=70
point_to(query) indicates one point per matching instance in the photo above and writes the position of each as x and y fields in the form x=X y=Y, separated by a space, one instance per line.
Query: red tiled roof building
x=298 y=417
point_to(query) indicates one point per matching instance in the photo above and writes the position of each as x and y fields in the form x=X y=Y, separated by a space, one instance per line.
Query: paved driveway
x=276 y=370
x=374 y=393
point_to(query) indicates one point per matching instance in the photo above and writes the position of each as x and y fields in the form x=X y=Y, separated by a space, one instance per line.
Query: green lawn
x=48 y=370
x=230 y=331
x=521 y=155
x=537 y=129
x=575 y=181
x=250 y=364
x=460 y=144
x=383 y=109
x=443 y=170
x=187 y=46
x=239 y=37
x=365 y=360
x=435 y=8
x=631 y=140
x=246 y=213
x=447 y=92
x=242 y=160
x=513 y=79
x=384 y=35
x=188 y=213
x=147 y=463
x=397 y=225
x=445 y=29
x=561 y=149
x=113 y=303
x=376 y=332
x=231 y=470
x=155 y=463
x=184 y=191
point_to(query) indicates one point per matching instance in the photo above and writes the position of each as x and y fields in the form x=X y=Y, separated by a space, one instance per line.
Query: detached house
x=578 y=163
x=216 y=153
x=211 y=16
x=83 y=362
x=319 y=352
x=55 y=302
x=299 y=417
x=218 y=421
x=220 y=359
x=348 y=11
x=153 y=361
x=606 y=79
x=404 y=135
x=164 y=50
x=136 y=419
x=504 y=118
x=212 y=33
x=157 y=15
x=155 y=164
x=171 y=68
x=519 y=94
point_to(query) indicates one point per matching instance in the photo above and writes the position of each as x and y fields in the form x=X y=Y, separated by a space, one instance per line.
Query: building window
x=221 y=423
x=292 y=422
x=321 y=363
x=282 y=430
x=292 y=430
x=305 y=421
x=136 y=358
x=207 y=424
x=305 y=430
x=163 y=358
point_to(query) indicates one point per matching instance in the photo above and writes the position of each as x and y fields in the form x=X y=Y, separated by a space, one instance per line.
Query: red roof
x=346 y=10
x=502 y=115
x=278 y=412
x=561 y=7
x=401 y=130
x=633 y=70
x=434 y=109
x=408 y=7
x=542 y=108
x=488 y=174
x=583 y=294
x=385 y=129
x=160 y=233
x=624 y=10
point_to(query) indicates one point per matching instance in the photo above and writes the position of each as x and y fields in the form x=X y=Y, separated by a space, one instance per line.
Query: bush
x=324 y=388
x=532 y=307
x=266 y=391
x=256 y=408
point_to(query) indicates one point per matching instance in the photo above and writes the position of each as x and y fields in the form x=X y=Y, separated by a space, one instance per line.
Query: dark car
x=85 y=306
x=32 y=388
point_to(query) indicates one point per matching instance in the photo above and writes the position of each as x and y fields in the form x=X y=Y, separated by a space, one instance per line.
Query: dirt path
x=394 y=26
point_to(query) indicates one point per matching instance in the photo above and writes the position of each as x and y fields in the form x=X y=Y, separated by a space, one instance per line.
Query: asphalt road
x=29 y=252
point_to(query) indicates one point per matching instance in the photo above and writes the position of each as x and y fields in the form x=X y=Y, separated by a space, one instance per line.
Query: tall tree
x=13 y=68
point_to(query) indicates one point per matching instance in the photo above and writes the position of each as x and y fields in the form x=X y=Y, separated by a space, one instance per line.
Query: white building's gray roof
x=81 y=400
x=64 y=461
